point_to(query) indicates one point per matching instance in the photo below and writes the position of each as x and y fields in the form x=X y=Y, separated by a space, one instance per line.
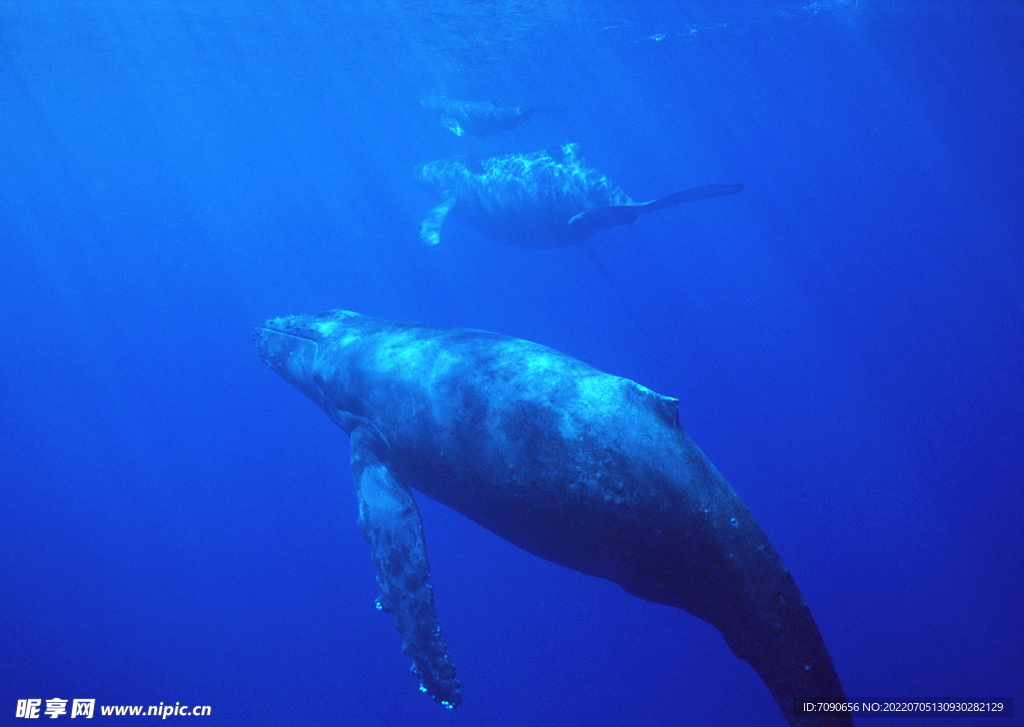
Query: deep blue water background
x=845 y=337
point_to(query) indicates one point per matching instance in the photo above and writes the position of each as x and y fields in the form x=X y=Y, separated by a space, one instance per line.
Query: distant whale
x=535 y=201
x=479 y=118
x=574 y=465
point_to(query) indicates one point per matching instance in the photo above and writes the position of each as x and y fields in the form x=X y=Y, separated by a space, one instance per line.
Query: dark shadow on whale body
x=536 y=200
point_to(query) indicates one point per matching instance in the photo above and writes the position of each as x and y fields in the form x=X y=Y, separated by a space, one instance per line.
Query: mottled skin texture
x=579 y=467
x=536 y=200
x=479 y=118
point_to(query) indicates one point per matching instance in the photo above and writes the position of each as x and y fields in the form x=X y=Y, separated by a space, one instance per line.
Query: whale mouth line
x=291 y=334
x=271 y=353
x=267 y=330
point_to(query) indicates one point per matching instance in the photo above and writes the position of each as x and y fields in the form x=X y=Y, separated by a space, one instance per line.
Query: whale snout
x=291 y=345
x=289 y=355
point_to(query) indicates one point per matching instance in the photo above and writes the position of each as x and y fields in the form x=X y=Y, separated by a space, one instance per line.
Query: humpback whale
x=582 y=468
x=479 y=118
x=536 y=201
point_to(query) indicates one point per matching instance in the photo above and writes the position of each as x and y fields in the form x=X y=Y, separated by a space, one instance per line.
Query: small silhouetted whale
x=577 y=466
x=479 y=118
x=535 y=201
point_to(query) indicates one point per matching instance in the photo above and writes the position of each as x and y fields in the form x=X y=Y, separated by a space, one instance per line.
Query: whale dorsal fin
x=665 y=407
x=602 y=218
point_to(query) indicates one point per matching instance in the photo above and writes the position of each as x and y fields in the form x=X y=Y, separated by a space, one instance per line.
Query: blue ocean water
x=846 y=338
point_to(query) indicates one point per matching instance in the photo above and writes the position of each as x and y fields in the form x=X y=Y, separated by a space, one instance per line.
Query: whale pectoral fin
x=390 y=521
x=430 y=228
x=453 y=126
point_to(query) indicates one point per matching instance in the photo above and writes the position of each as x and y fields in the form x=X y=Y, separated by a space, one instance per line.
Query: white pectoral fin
x=430 y=229
x=453 y=126
x=390 y=521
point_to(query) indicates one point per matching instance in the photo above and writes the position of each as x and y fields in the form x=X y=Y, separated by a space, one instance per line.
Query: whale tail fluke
x=691 y=195
x=602 y=218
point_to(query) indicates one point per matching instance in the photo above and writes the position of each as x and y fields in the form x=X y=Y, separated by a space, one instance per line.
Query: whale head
x=450 y=173
x=292 y=346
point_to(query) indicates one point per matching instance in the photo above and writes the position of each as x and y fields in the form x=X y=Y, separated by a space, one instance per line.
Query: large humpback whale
x=536 y=201
x=479 y=118
x=579 y=467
